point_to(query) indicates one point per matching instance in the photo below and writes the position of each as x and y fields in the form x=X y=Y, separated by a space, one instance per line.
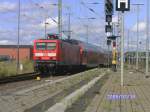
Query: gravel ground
x=9 y=88
x=29 y=99
x=17 y=86
x=43 y=106
x=81 y=104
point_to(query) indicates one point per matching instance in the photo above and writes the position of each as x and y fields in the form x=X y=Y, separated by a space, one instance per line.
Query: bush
x=7 y=69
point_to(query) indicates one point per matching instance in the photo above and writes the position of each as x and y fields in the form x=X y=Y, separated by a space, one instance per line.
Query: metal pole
x=137 y=50
x=45 y=29
x=108 y=56
x=60 y=17
x=69 y=26
x=122 y=48
x=18 y=40
x=119 y=39
x=128 y=47
x=87 y=33
x=147 y=40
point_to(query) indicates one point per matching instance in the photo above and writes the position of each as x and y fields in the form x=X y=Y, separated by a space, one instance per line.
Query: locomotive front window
x=51 y=46
x=40 y=46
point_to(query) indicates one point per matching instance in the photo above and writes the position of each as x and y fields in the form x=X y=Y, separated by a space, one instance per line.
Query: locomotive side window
x=40 y=46
x=51 y=46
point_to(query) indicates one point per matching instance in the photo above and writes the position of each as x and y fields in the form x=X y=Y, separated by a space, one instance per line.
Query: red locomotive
x=54 y=54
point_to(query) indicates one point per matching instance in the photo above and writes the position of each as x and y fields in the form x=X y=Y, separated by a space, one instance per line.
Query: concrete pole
x=147 y=40
x=122 y=48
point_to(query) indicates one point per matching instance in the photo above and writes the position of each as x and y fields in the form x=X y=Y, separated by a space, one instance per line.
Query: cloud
x=4 y=42
x=33 y=25
x=142 y=27
x=51 y=23
x=7 y=6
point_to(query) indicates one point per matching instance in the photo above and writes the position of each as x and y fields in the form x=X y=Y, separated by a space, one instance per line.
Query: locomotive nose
x=45 y=50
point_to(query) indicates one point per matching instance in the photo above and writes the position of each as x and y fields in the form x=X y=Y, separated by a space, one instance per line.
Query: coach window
x=51 y=46
x=84 y=53
x=41 y=46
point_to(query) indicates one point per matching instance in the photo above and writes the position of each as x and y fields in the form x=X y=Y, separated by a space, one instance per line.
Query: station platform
x=133 y=97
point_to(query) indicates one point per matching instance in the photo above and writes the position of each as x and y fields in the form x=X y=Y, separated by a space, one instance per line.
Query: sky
x=34 y=13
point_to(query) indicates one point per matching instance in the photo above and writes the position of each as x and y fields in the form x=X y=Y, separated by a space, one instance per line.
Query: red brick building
x=25 y=51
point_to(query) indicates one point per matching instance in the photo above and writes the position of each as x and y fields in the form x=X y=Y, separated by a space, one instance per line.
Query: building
x=10 y=51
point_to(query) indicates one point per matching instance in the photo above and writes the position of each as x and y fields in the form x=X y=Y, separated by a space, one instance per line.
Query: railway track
x=17 y=78
x=30 y=76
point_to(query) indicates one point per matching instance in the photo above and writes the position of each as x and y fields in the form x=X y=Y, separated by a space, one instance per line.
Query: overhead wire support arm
x=90 y=9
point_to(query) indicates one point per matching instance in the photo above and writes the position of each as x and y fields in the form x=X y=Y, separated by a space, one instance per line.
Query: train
x=54 y=54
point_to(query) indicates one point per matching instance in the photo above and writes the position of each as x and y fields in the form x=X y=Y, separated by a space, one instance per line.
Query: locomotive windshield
x=51 y=46
x=46 y=46
x=41 y=46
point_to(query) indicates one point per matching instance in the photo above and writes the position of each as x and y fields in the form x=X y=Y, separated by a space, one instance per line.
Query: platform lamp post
x=18 y=39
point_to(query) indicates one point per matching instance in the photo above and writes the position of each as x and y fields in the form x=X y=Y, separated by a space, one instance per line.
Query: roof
x=15 y=46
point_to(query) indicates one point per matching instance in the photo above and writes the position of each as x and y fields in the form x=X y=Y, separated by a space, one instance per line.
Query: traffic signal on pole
x=109 y=7
x=109 y=18
x=108 y=42
x=114 y=43
x=108 y=28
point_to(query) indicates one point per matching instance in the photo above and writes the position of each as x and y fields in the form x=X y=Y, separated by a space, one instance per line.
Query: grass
x=10 y=69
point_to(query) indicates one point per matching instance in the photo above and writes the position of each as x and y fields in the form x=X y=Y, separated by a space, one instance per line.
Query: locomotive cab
x=45 y=54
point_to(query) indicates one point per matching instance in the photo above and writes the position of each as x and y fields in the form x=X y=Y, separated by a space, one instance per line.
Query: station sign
x=122 y=5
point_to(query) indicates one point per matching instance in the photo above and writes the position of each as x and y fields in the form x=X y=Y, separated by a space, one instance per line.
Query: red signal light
x=114 y=44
